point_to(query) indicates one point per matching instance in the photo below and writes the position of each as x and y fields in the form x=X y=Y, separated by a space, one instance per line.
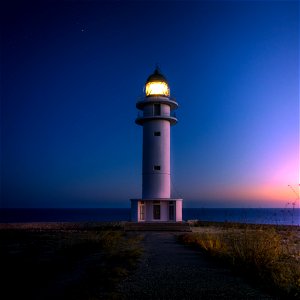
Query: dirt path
x=173 y=271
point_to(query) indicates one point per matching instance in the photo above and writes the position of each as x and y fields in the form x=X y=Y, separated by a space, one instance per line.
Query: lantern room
x=157 y=85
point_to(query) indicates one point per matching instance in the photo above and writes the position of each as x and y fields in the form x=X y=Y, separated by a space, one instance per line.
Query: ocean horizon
x=277 y=216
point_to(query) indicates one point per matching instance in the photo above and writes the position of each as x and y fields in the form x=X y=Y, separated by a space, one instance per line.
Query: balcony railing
x=153 y=97
x=172 y=114
x=142 y=102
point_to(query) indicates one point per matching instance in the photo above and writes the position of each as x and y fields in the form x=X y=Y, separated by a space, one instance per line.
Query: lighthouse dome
x=157 y=85
x=156 y=77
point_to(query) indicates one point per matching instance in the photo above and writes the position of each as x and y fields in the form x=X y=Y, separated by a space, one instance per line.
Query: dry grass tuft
x=262 y=254
x=206 y=241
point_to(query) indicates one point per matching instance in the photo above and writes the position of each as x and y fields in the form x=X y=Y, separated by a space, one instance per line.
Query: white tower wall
x=156 y=154
x=178 y=210
x=149 y=110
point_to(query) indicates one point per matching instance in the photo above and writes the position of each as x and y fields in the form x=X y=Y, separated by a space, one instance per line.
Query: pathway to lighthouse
x=170 y=271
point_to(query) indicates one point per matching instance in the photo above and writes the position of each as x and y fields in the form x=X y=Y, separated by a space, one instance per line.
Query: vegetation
x=66 y=264
x=266 y=254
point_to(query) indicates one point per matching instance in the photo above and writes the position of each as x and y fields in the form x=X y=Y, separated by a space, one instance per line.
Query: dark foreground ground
x=170 y=270
x=76 y=261
x=65 y=261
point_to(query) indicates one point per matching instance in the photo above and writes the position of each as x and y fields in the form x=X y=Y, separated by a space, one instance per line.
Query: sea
x=278 y=216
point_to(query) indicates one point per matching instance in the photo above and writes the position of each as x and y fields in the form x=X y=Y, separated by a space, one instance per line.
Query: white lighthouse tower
x=156 y=204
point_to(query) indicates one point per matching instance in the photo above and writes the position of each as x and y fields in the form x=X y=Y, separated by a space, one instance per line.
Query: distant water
x=287 y=216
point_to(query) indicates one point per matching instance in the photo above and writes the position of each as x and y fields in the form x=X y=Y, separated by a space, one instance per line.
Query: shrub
x=258 y=253
x=258 y=249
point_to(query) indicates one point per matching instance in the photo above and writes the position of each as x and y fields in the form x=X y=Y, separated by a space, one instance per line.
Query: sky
x=72 y=72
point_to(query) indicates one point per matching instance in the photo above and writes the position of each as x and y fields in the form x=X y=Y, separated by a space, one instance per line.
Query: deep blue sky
x=71 y=73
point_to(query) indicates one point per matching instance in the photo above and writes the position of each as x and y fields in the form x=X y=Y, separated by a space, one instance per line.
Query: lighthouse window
x=156 y=133
x=157 y=168
x=142 y=211
x=171 y=211
x=156 y=210
x=156 y=109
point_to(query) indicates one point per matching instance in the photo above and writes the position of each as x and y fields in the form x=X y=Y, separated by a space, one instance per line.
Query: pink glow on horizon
x=268 y=186
x=272 y=187
x=264 y=195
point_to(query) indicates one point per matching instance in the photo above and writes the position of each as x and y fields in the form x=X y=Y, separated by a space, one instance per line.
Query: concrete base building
x=156 y=210
x=156 y=204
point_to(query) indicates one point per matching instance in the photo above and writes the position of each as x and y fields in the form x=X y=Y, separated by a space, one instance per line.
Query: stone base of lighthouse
x=156 y=210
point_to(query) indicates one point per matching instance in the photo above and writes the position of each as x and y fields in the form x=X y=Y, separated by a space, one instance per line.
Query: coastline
x=278 y=216
x=54 y=225
x=84 y=225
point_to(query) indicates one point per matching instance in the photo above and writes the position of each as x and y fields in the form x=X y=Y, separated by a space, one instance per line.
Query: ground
x=170 y=270
x=93 y=261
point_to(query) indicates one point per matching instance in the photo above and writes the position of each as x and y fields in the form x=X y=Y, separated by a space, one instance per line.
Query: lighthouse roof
x=157 y=77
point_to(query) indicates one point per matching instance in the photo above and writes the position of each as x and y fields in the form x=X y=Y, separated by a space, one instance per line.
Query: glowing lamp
x=157 y=88
x=157 y=85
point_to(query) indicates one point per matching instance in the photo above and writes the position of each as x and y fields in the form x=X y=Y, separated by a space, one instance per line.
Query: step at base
x=150 y=226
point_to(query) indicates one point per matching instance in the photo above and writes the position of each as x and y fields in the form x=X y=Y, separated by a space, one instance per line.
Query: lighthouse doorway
x=156 y=210
x=157 y=109
x=171 y=211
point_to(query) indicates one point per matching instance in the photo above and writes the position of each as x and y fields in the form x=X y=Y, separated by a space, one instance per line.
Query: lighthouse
x=156 y=117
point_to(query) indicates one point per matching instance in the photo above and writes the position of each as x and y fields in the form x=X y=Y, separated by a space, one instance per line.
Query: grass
x=265 y=254
x=66 y=264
